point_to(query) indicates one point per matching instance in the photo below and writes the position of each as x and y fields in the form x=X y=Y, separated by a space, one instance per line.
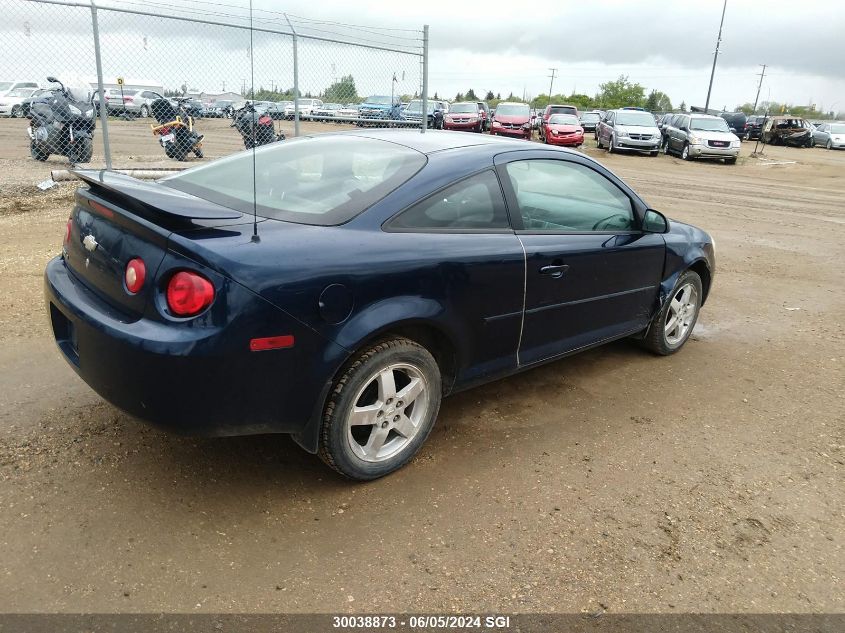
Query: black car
x=383 y=271
x=736 y=122
x=753 y=128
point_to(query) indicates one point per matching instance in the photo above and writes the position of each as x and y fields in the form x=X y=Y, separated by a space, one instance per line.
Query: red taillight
x=189 y=293
x=128 y=99
x=67 y=230
x=135 y=275
x=101 y=209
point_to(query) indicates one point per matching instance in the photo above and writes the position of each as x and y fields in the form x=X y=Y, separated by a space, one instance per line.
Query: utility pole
x=715 y=57
x=551 y=83
x=759 y=86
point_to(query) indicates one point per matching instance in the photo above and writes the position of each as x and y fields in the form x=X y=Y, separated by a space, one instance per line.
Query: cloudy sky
x=495 y=45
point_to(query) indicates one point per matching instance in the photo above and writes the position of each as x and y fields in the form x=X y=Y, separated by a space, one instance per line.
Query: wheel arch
x=433 y=336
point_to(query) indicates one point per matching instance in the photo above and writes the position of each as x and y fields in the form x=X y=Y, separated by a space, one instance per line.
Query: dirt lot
x=708 y=481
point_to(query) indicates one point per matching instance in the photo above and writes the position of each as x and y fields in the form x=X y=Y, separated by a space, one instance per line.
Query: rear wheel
x=380 y=410
x=673 y=324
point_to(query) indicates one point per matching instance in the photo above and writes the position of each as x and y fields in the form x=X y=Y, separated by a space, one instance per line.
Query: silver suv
x=629 y=130
x=701 y=136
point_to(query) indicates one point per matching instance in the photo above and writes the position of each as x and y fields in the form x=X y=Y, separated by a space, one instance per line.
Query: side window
x=559 y=196
x=473 y=203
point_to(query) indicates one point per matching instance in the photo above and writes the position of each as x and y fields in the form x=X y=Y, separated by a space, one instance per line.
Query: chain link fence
x=139 y=84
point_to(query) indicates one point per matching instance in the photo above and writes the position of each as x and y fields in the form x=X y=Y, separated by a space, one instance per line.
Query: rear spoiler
x=153 y=197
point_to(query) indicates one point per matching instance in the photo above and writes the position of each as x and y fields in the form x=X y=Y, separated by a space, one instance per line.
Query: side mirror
x=655 y=222
x=52 y=80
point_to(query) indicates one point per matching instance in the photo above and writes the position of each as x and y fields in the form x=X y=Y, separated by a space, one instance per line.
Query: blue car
x=373 y=273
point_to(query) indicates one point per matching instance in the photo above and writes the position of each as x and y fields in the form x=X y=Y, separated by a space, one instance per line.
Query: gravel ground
x=709 y=481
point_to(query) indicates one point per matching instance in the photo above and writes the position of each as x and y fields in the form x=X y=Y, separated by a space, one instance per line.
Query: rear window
x=562 y=110
x=324 y=180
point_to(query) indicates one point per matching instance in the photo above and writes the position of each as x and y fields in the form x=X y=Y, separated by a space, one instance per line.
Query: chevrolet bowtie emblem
x=90 y=243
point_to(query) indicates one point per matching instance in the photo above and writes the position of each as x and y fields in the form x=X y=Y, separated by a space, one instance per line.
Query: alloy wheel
x=388 y=412
x=681 y=314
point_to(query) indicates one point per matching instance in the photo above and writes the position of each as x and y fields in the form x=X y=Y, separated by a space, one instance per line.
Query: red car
x=464 y=116
x=563 y=129
x=556 y=109
x=512 y=119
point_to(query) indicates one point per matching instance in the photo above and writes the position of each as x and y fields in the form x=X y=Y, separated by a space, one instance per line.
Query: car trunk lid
x=119 y=218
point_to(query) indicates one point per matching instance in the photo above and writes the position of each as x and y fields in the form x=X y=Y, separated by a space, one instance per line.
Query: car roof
x=436 y=140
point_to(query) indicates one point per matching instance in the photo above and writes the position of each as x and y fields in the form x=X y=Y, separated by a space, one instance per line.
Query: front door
x=591 y=273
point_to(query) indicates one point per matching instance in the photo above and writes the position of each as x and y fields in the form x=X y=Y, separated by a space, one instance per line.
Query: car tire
x=730 y=161
x=654 y=153
x=610 y=146
x=145 y=111
x=598 y=142
x=685 y=152
x=37 y=152
x=16 y=112
x=829 y=144
x=386 y=432
x=673 y=324
x=666 y=149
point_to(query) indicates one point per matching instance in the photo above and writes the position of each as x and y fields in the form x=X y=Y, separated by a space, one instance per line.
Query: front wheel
x=829 y=144
x=38 y=152
x=81 y=151
x=685 y=152
x=611 y=147
x=672 y=325
x=16 y=112
x=380 y=410
x=145 y=111
x=730 y=161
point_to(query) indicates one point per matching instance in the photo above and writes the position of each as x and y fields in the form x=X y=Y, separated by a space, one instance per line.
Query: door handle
x=554 y=270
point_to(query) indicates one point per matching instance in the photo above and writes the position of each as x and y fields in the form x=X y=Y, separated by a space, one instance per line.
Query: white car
x=10 y=104
x=306 y=106
x=8 y=86
x=349 y=111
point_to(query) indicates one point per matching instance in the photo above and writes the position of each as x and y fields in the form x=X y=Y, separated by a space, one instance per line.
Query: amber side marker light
x=271 y=342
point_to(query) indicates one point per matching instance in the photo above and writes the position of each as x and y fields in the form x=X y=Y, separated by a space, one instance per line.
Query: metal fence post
x=425 y=81
x=103 y=108
x=295 y=79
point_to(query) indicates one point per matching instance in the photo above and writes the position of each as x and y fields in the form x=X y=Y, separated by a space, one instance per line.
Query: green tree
x=658 y=102
x=343 y=91
x=459 y=97
x=435 y=96
x=620 y=93
x=489 y=96
x=471 y=96
x=683 y=106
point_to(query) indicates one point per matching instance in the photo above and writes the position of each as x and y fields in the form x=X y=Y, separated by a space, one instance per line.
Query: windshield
x=635 y=117
x=323 y=180
x=416 y=106
x=378 y=100
x=590 y=117
x=513 y=109
x=21 y=92
x=709 y=125
x=564 y=119
x=463 y=108
x=838 y=128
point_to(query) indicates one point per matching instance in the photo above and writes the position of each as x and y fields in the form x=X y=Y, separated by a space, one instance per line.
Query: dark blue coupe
x=337 y=287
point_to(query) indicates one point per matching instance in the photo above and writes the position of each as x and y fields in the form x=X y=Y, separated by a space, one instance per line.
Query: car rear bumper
x=189 y=380
x=705 y=151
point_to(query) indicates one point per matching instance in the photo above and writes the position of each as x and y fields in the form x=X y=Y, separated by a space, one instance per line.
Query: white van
x=306 y=107
x=7 y=86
